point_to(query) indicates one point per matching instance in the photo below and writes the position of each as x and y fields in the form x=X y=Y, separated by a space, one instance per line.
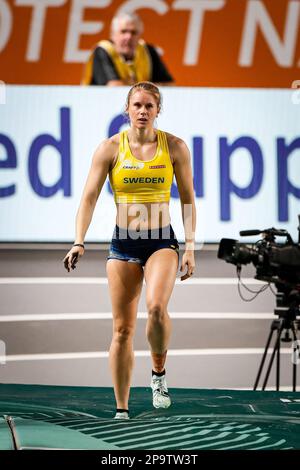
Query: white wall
x=213 y=118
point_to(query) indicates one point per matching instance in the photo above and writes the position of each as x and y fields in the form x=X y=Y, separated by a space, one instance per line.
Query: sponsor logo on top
x=128 y=165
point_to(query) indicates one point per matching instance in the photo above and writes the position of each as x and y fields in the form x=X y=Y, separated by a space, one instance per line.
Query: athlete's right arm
x=101 y=163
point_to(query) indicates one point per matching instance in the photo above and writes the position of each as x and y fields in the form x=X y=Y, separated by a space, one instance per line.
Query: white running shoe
x=161 y=398
x=121 y=415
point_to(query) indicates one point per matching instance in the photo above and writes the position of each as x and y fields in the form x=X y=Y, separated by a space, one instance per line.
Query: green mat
x=81 y=418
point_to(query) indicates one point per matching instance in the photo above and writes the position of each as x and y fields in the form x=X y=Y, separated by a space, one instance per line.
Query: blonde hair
x=150 y=88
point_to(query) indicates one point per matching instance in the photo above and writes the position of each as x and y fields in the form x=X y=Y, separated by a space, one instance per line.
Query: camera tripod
x=286 y=324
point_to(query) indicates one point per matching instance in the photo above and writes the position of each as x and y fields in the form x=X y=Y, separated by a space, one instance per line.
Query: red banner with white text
x=219 y=43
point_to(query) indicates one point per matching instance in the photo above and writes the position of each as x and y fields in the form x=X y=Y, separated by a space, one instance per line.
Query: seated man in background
x=126 y=58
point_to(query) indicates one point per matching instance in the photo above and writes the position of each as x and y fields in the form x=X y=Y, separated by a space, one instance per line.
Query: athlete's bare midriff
x=143 y=216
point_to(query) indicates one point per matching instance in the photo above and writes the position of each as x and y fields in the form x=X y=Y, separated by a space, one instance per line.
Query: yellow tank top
x=136 y=181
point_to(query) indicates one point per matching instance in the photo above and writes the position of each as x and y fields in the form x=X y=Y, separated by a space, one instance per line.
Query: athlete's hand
x=188 y=262
x=72 y=257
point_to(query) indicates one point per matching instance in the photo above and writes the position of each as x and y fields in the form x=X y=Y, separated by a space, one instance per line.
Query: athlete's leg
x=125 y=284
x=160 y=274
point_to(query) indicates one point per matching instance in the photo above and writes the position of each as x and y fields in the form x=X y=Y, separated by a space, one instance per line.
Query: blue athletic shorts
x=137 y=246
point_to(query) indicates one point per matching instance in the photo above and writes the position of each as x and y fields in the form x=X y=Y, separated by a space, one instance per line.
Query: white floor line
x=283 y=388
x=141 y=316
x=103 y=280
x=104 y=354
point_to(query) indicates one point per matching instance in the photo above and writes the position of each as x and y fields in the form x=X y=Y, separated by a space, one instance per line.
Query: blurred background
x=236 y=103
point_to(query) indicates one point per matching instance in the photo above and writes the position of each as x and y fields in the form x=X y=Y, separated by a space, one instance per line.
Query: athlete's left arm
x=184 y=178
